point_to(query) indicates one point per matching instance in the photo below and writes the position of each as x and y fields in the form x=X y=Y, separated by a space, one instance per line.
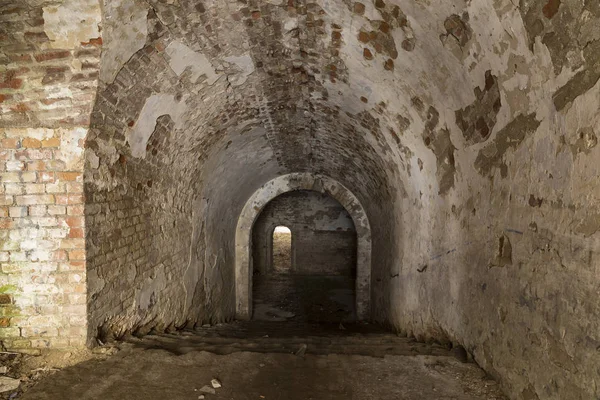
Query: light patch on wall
x=282 y=229
x=183 y=58
x=156 y=106
x=153 y=286
x=125 y=31
x=72 y=22
x=71 y=147
x=244 y=64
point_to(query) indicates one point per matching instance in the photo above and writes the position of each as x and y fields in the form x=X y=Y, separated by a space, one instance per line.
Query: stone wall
x=505 y=260
x=49 y=61
x=323 y=234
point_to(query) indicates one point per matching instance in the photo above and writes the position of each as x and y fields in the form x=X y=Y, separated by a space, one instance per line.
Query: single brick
x=52 y=142
x=31 y=143
x=52 y=55
x=69 y=176
x=35 y=199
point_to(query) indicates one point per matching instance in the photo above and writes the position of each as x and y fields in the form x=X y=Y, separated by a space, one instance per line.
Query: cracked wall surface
x=467 y=129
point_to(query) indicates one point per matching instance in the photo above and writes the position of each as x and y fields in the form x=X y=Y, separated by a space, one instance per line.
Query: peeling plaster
x=245 y=65
x=69 y=24
x=124 y=32
x=72 y=147
x=182 y=58
x=459 y=192
x=152 y=289
x=156 y=105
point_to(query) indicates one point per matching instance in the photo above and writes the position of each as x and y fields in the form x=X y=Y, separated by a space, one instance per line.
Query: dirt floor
x=304 y=298
x=325 y=363
x=283 y=295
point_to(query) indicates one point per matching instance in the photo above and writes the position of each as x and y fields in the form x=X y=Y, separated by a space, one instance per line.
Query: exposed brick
x=6 y=200
x=11 y=143
x=11 y=83
x=93 y=42
x=72 y=243
x=20 y=58
x=52 y=142
x=34 y=188
x=52 y=55
x=37 y=211
x=76 y=233
x=74 y=187
x=36 y=166
x=76 y=209
x=69 y=199
x=74 y=222
x=77 y=255
x=359 y=8
x=69 y=176
x=56 y=187
x=36 y=37
x=31 y=143
x=18 y=212
x=35 y=199
x=47 y=177
x=57 y=210
x=14 y=188
x=15 y=166
x=28 y=177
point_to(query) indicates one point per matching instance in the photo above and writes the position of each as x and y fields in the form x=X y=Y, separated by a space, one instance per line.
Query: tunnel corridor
x=444 y=153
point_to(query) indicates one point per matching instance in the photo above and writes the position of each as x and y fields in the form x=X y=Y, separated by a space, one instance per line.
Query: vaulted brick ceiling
x=369 y=93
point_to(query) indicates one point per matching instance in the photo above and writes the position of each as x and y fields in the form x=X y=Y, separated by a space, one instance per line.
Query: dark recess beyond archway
x=320 y=284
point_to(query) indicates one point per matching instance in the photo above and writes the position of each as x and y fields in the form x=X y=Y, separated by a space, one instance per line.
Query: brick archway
x=288 y=183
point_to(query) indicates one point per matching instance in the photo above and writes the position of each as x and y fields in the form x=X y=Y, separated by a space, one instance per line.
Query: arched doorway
x=296 y=182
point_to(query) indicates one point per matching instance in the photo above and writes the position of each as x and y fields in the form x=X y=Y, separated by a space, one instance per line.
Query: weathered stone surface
x=477 y=121
x=125 y=31
x=508 y=137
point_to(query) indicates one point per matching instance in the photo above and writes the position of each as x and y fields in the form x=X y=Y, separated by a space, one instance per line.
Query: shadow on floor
x=177 y=367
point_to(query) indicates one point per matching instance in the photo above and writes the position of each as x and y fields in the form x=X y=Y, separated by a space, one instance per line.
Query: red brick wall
x=48 y=79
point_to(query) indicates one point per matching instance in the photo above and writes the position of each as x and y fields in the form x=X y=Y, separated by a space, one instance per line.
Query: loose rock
x=8 y=384
x=302 y=350
x=207 y=389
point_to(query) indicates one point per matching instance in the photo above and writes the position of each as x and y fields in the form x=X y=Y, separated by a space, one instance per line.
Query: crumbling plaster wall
x=324 y=238
x=155 y=127
x=504 y=260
